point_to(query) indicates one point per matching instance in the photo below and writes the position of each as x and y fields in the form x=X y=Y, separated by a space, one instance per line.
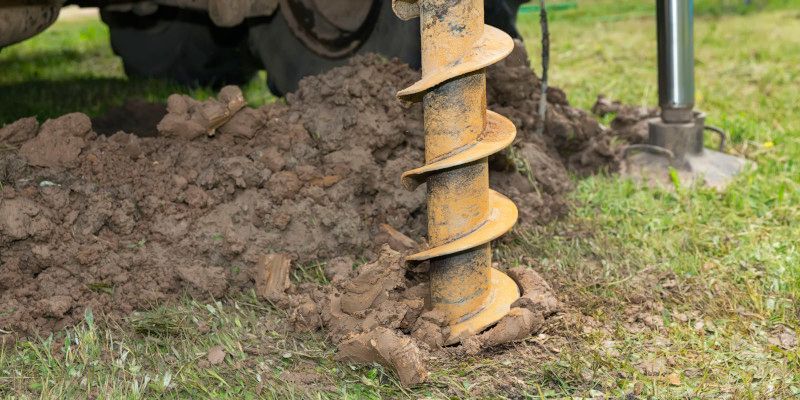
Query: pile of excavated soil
x=129 y=220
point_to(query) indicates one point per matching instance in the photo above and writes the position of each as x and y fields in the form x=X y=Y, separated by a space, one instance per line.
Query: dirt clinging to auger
x=381 y=313
x=119 y=223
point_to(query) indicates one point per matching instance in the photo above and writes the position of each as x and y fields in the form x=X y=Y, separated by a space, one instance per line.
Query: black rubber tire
x=287 y=59
x=503 y=14
x=182 y=46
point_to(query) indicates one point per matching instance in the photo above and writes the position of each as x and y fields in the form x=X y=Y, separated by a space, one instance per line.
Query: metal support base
x=680 y=147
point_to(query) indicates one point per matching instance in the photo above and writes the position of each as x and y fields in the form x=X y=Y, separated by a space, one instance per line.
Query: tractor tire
x=287 y=59
x=502 y=14
x=180 y=45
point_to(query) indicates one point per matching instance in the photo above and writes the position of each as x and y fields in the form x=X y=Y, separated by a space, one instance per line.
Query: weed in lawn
x=159 y=322
x=314 y=273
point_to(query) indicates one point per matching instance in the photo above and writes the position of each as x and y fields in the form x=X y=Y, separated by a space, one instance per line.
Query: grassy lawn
x=683 y=294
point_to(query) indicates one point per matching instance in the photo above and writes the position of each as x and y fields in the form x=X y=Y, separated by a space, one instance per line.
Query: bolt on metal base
x=679 y=147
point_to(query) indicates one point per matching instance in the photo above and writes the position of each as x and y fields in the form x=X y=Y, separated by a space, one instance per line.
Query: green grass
x=689 y=285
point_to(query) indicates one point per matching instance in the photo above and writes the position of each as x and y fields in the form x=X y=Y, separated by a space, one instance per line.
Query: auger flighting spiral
x=464 y=215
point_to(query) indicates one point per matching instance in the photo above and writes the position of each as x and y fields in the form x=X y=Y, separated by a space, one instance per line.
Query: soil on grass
x=127 y=221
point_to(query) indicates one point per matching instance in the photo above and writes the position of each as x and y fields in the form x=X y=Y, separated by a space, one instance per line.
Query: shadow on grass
x=92 y=96
x=49 y=58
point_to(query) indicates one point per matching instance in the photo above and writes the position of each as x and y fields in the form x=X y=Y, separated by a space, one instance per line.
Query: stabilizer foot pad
x=710 y=168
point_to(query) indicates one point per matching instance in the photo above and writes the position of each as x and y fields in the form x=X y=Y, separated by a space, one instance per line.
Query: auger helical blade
x=464 y=215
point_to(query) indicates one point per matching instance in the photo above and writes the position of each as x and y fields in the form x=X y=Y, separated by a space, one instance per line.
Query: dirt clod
x=518 y=324
x=396 y=239
x=389 y=348
x=19 y=131
x=189 y=119
x=59 y=141
x=629 y=123
x=215 y=355
x=371 y=287
x=536 y=294
x=431 y=329
x=272 y=277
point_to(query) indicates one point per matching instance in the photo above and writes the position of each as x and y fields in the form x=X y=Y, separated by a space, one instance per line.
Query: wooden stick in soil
x=545 y=65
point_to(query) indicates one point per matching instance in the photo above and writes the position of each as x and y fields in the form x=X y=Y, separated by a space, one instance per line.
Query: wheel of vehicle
x=309 y=37
x=180 y=45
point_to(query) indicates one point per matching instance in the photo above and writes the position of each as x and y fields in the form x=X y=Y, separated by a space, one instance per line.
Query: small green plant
x=522 y=166
x=137 y=245
x=675 y=179
x=101 y=287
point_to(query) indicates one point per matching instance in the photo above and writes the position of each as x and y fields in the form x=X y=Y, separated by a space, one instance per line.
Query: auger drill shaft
x=464 y=215
x=458 y=198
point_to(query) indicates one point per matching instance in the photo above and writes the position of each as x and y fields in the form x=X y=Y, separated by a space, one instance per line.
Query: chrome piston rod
x=675 y=20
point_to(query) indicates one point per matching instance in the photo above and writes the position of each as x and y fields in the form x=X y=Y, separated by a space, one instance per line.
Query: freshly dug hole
x=122 y=222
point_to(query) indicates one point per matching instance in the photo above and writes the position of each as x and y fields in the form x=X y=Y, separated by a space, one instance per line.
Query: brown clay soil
x=121 y=221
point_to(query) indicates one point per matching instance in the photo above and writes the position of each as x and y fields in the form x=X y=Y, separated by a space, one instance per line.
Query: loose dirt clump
x=124 y=222
x=59 y=142
x=19 y=132
x=380 y=313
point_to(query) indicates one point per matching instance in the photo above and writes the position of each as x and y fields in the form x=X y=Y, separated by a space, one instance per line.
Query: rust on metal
x=464 y=215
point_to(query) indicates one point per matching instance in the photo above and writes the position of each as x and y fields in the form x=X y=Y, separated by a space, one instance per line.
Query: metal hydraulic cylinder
x=675 y=138
x=679 y=129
